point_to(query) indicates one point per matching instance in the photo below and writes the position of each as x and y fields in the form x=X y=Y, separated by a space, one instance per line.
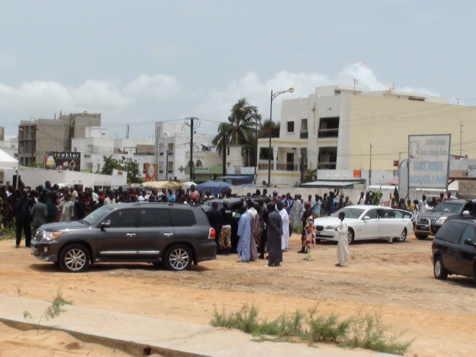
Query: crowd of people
x=262 y=225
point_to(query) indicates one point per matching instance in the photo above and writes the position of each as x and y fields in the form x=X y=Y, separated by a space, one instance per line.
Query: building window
x=328 y=127
x=290 y=125
x=304 y=132
x=327 y=158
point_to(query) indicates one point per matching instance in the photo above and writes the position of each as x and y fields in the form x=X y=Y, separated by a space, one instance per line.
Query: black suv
x=454 y=249
x=429 y=223
x=170 y=233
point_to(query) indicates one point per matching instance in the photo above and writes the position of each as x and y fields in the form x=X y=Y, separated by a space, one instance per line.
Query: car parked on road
x=454 y=249
x=429 y=223
x=367 y=222
x=174 y=234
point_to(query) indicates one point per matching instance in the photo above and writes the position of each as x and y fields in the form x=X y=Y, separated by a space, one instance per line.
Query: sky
x=144 y=61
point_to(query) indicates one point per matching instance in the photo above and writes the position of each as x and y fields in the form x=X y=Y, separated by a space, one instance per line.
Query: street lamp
x=273 y=96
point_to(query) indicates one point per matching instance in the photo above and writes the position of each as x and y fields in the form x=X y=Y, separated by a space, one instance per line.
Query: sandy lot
x=395 y=280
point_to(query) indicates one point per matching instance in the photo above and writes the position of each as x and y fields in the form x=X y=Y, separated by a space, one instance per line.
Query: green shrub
x=365 y=331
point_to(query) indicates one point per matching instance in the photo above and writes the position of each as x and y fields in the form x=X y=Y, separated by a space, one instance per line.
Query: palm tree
x=241 y=128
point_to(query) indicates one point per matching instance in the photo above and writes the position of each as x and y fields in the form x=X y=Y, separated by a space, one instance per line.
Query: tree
x=241 y=128
x=266 y=127
x=128 y=165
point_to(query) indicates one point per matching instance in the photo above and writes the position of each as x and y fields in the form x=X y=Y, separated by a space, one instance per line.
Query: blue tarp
x=215 y=187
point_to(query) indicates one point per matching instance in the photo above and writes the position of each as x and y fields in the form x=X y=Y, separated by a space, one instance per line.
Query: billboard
x=428 y=161
x=150 y=172
x=60 y=160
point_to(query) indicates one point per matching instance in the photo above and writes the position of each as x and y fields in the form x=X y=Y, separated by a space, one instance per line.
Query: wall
x=35 y=177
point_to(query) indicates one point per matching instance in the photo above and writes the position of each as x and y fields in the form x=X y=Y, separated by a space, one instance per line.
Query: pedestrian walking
x=343 y=250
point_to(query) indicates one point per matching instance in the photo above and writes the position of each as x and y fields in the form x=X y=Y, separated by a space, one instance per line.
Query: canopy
x=187 y=185
x=7 y=161
x=215 y=187
x=161 y=184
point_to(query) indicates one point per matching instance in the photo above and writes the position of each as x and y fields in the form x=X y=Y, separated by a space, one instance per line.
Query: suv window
x=183 y=218
x=468 y=233
x=123 y=218
x=154 y=217
x=451 y=231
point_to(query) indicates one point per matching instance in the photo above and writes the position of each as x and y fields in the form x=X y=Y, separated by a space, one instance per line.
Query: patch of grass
x=370 y=333
x=52 y=311
x=8 y=232
x=328 y=328
x=361 y=330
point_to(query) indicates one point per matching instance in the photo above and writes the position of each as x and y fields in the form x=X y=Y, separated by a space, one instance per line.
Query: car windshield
x=447 y=207
x=95 y=216
x=349 y=212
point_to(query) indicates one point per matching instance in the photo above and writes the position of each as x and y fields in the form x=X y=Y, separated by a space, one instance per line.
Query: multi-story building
x=341 y=128
x=98 y=145
x=36 y=137
x=172 y=144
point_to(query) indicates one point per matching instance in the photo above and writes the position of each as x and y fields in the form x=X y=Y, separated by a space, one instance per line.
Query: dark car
x=170 y=233
x=454 y=249
x=429 y=223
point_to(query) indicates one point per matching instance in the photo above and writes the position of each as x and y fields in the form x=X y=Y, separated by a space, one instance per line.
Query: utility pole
x=370 y=166
x=224 y=156
x=194 y=124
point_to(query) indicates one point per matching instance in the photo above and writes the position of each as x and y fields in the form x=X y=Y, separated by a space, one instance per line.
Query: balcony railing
x=328 y=133
x=281 y=166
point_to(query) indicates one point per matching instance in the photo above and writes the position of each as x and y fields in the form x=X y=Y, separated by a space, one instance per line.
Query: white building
x=97 y=145
x=172 y=144
x=340 y=129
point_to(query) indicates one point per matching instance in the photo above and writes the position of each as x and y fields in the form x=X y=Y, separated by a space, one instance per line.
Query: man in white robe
x=244 y=234
x=343 y=251
x=285 y=219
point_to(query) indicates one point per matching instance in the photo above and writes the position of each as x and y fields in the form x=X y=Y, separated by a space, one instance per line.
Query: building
x=8 y=143
x=36 y=137
x=172 y=144
x=341 y=128
x=98 y=145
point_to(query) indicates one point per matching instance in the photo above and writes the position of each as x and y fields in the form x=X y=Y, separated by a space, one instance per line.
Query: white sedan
x=367 y=222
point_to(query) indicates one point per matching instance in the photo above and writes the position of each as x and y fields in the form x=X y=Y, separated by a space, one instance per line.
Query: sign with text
x=60 y=160
x=428 y=161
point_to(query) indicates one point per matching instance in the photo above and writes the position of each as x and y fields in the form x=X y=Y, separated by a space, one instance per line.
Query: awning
x=336 y=184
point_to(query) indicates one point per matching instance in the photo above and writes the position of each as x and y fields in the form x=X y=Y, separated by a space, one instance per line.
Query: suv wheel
x=74 y=258
x=420 y=236
x=178 y=258
x=401 y=238
x=439 y=269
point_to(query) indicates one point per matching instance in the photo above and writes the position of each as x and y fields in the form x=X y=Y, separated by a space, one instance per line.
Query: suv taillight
x=212 y=233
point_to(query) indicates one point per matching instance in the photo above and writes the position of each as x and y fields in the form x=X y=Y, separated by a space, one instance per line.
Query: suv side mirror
x=366 y=218
x=104 y=224
x=470 y=243
x=465 y=214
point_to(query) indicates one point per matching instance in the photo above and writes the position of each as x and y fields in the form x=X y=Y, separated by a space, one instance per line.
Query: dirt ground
x=395 y=280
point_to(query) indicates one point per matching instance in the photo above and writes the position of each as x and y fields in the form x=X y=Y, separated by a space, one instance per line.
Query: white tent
x=7 y=161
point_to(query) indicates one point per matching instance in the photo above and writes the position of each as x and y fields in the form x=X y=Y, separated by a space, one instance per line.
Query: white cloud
x=158 y=86
x=149 y=98
x=216 y=103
